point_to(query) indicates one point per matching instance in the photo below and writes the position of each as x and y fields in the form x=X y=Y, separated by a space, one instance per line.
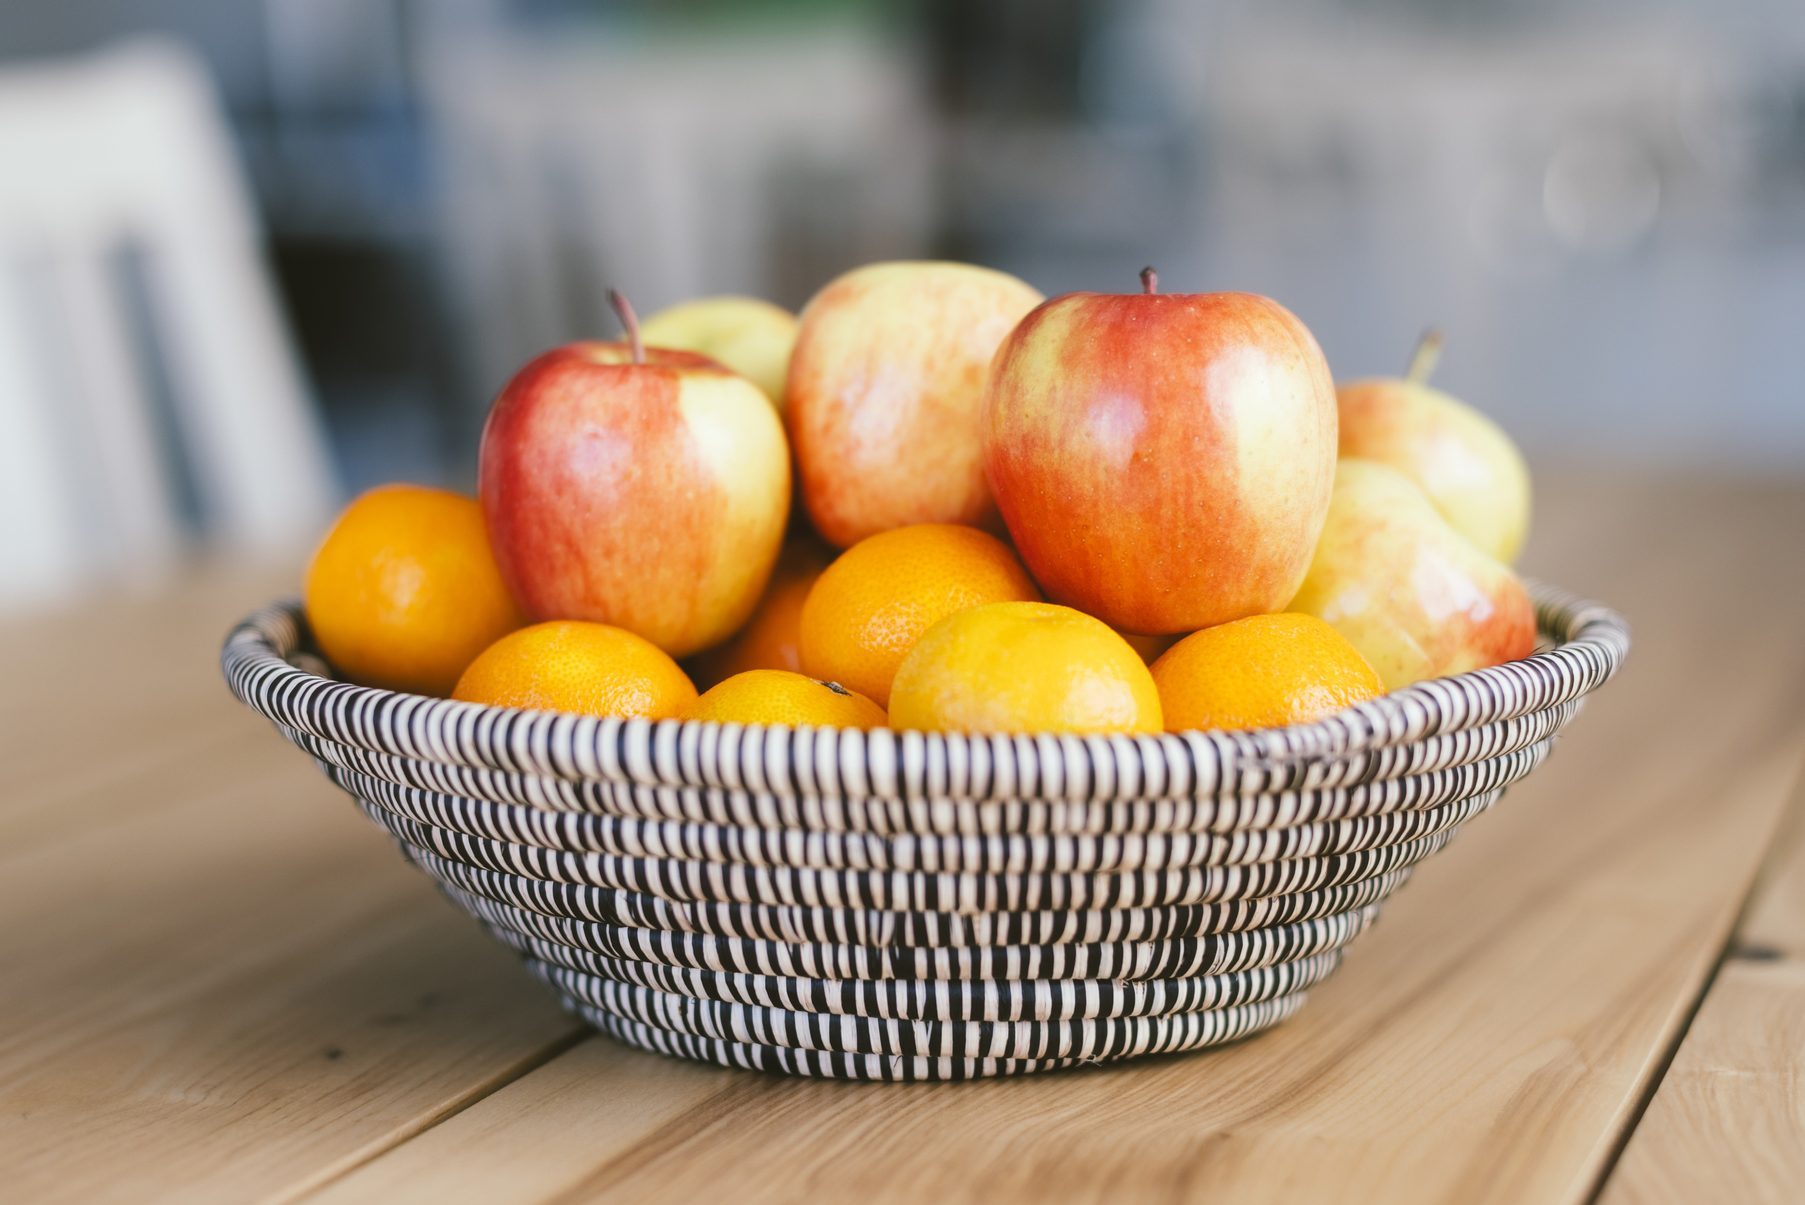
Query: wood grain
x=129 y=670
x=223 y=984
x=1775 y=923
x=543 y=1136
x=1728 y=1123
x=1728 y=1120
x=218 y=985
x=1487 y=1042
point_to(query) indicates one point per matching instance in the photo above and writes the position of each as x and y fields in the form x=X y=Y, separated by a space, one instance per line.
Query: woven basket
x=903 y=906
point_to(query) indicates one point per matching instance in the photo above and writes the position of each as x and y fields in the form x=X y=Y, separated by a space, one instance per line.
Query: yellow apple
x=1408 y=590
x=750 y=336
x=1464 y=461
x=884 y=393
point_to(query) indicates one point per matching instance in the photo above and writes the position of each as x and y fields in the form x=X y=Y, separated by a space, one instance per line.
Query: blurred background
x=256 y=254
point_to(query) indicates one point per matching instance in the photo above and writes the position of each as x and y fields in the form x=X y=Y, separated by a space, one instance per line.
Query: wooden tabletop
x=222 y=984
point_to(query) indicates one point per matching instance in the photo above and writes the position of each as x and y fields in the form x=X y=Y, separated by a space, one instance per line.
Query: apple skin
x=772 y=636
x=648 y=496
x=884 y=391
x=752 y=337
x=1163 y=461
x=1408 y=590
x=1464 y=461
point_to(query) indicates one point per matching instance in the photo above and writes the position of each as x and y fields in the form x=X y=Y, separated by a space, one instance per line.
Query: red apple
x=644 y=489
x=1163 y=461
x=883 y=394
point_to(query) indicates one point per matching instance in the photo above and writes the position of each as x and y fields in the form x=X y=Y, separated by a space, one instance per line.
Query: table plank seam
x=1729 y=953
x=475 y=1094
x=1645 y=1097
x=1637 y=1027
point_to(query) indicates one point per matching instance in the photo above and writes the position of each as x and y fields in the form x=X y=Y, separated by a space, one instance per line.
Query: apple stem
x=1422 y=360
x=1149 y=280
x=629 y=321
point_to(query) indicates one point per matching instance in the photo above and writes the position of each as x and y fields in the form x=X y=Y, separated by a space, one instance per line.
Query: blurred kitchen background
x=255 y=254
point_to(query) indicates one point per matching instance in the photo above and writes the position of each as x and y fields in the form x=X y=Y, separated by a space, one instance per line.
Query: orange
x=569 y=665
x=775 y=696
x=874 y=602
x=1261 y=672
x=404 y=591
x=771 y=639
x=1024 y=667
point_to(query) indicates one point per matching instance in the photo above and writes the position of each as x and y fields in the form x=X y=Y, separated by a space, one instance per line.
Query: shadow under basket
x=907 y=906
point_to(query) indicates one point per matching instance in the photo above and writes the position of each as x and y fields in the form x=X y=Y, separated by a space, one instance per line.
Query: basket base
x=1165 y=1035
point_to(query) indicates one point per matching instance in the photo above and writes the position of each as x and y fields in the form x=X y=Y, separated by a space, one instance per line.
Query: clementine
x=570 y=665
x=404 y=591
x=775 y=696
x=1261 y=672
x=874 y=602
x=1024 y=667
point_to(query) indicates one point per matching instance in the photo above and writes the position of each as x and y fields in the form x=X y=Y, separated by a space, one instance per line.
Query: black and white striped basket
x=904 y=906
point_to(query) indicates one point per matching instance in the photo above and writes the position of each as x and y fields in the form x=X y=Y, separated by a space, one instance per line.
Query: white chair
x=114 y=161
x=660 y=166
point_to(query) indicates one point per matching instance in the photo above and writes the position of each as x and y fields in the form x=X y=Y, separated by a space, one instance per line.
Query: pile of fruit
x=1096 y=513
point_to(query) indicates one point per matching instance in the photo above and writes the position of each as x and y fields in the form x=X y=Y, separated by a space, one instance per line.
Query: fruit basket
x=906 y=906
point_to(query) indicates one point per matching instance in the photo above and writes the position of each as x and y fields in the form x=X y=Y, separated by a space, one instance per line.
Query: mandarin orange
x=404 y=590
x=1024 y=667
x=1262 y=672
x=874 y=602
x=570 y=665
x=775 y=696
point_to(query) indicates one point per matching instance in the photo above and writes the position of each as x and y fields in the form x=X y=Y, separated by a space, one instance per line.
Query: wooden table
x=220 y=983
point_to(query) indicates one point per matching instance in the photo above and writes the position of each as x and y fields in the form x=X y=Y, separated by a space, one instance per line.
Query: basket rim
x=1589 y=642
